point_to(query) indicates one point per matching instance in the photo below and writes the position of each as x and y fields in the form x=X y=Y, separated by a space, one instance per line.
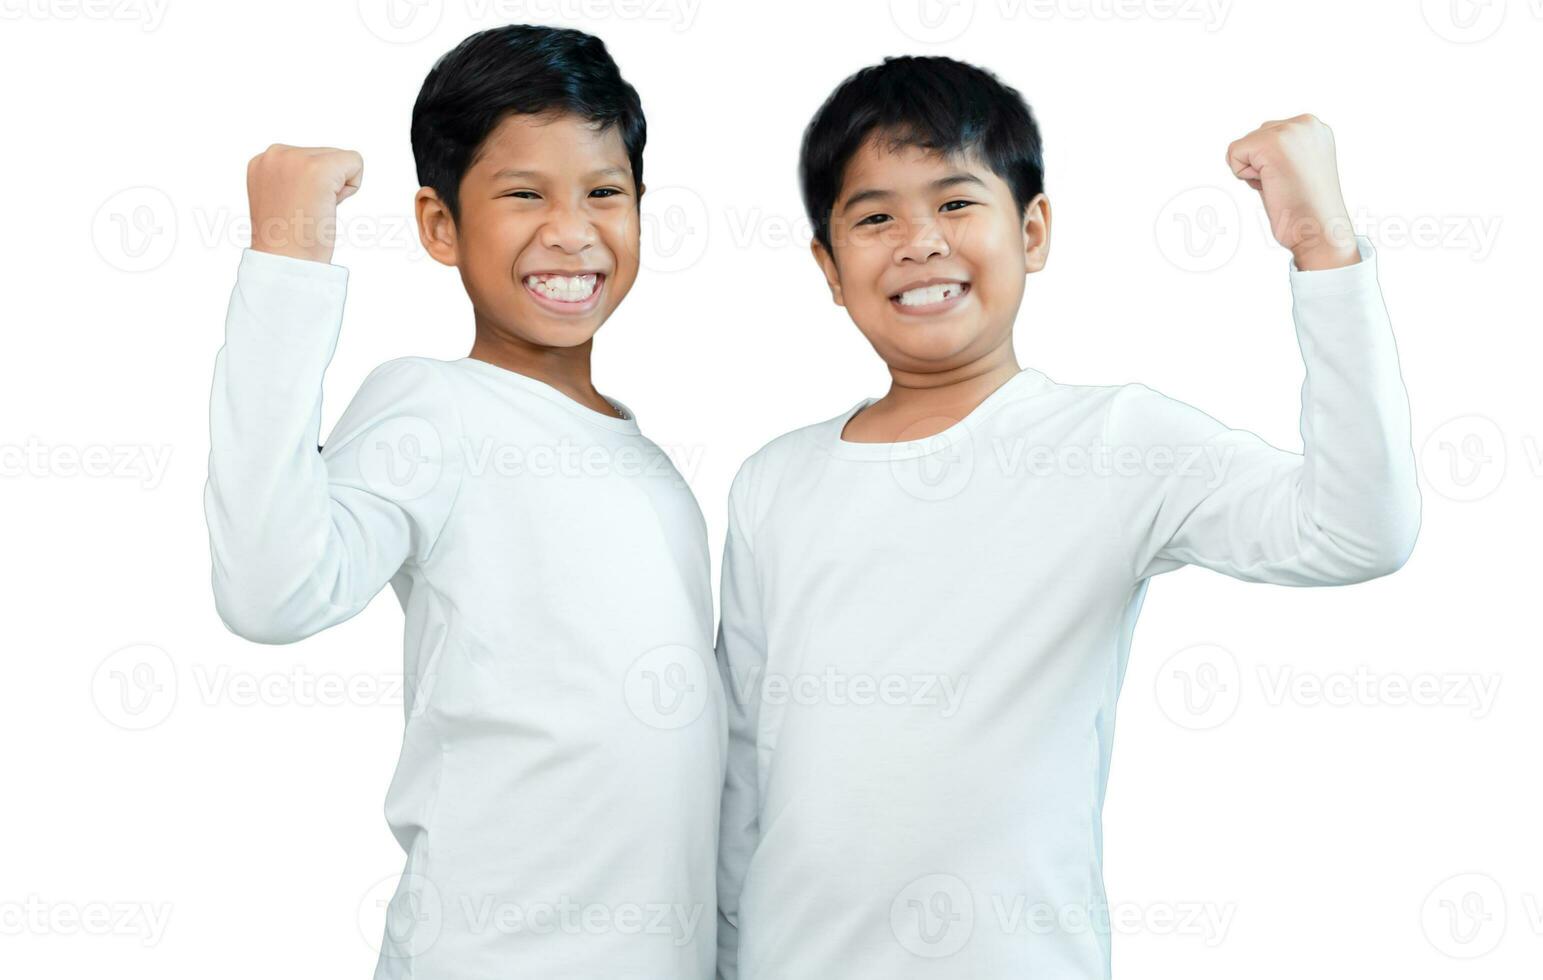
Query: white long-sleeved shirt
x=557 y=789
x=923 y=643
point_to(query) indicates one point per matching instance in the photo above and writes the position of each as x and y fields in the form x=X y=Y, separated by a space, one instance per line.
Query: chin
x=929 y=346
x=530 y=327
x=561 y=335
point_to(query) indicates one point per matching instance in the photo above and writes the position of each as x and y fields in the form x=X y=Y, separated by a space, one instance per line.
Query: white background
x=219 y=802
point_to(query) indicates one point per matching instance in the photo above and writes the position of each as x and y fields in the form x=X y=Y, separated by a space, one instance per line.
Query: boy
x=928 y=600
x=557 y=789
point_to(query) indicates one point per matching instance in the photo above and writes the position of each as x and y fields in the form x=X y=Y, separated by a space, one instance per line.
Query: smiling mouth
x=930 y=298
x=565 y=293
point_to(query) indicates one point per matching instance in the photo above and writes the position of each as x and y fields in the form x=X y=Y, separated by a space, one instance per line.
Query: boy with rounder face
x=928 y=600
x=557 y=788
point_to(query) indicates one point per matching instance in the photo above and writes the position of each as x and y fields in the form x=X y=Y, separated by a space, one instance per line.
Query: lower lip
x=563 y=308
x=932 y=309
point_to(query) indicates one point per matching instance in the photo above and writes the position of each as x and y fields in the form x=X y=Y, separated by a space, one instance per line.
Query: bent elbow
x=256 y=624
x=1383 y=564
x=260 y=616
x=1403 y=531
x=1387 y=546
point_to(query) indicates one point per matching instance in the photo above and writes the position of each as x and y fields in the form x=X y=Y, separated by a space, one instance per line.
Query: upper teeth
x=568 y=289
x=936 y=293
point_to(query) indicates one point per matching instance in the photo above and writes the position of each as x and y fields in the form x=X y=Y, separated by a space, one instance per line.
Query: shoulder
x=1119 y=414
x=1032 y=399
x=791 y=449
x=759 y=476
x=421 y=382
x=404 y=374
x=408 y=398
x=1141 y=415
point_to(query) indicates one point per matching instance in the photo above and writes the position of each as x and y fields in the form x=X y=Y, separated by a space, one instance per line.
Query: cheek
x=508 y=240
x=1006 y=290
x=494 y=244
x=620 y=235
x=492 y=252
x=995 y=256
x=862 y=269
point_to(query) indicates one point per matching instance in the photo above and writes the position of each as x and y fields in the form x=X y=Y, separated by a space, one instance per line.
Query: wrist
x=296 y=234
x=1326 y=253
x=321 y=255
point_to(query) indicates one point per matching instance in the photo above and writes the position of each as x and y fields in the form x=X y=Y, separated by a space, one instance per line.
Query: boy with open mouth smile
x=984 y=529
x=557 y=788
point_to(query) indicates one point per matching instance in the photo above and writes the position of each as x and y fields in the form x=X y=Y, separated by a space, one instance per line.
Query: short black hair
x=523 y=69
x=932 y=102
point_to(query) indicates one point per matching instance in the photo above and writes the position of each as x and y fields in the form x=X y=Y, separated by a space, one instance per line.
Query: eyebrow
x=511 y=174
x=942 y=183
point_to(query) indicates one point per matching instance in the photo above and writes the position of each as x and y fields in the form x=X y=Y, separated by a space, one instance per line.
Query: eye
x=874 y=219
x=950 y=206
x=523 y=195
x=605 y=192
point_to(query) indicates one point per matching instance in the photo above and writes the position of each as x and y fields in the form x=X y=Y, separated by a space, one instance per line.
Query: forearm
x=1359 y=493
x=266 y=499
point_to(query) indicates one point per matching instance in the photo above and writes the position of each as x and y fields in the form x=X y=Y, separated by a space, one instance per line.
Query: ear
x=1036 y=233
x=827 y=264
x=436 y=229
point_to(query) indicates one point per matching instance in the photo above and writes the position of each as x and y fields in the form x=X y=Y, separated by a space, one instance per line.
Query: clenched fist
x=1290 y=162
x=294 y=192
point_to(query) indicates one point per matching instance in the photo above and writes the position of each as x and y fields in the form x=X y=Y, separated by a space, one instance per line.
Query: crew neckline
x=543 y=390
x=1026 y=382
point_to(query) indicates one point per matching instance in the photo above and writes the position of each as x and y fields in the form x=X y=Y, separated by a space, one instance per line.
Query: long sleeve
x=302 y=539
x=1345 y=510
x=742 y=666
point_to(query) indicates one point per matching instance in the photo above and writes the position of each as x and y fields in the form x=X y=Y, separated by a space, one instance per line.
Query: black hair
x=517 y=68
x=932 y=102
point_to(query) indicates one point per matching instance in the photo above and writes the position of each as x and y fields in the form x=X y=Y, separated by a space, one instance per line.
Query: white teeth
x=926 y=295
x=564 y=289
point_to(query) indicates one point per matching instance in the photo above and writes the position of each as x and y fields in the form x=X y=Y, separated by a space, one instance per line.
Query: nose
x=923 y=240
x=568 y=230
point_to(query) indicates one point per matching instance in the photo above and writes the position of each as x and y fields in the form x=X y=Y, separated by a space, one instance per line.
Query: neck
x=923 y=403
x=967 y=385
x=564 y=368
